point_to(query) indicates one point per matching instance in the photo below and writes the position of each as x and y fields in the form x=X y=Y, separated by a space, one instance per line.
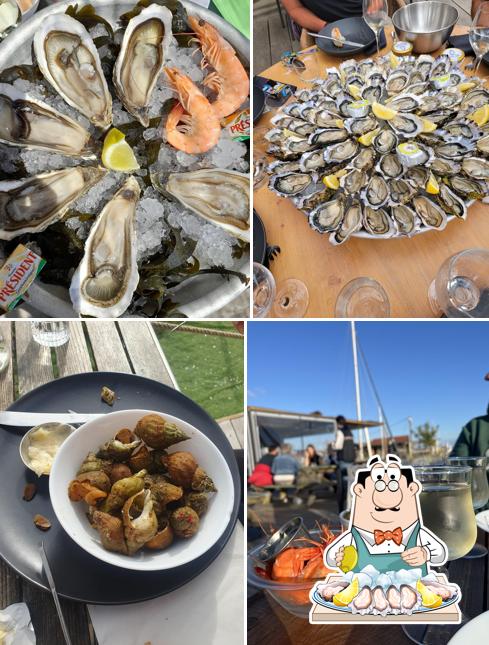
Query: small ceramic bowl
x=26 y=440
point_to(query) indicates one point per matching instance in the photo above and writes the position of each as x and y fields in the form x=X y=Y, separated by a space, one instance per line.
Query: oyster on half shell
x=31 y=205
x=27 y=122
x=107 y=276
x=219 y=196
x=141 y=59
x=69 y=61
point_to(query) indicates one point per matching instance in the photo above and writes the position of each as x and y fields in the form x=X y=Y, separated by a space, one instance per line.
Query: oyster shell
x=219 y=196
x=364 y=160
x=31 y=205
x=326 y=119
x=429 y=213
x=327 y=217
x=476 y=167
x=27 y=122
x=406 y=125
x=401 y=191
x=452 y=150
x=308 y=202
x=328 y=135
x=279 y=167
x=445 y=168
x=69 y=61
x=341 y=151
x=296 y=144
x=141 y=59
x=312 y=160
x=353 y=181
x=474 y=99
x=107 y=276
x=483 y=144
x=377 y=222
x=390 y=166
x=467 y=187
x=396 y=82
x=404 y=218
x=418 y=175
x=292 y=109
x=405 y=103
x=352 y=221
x=451 y=203
x=460 y=129
x=275 y=135
x=359 y=126
x=377 y=192
x=385 y=141
x=372 y=93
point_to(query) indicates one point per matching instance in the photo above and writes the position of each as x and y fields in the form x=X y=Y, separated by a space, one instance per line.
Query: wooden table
x=269 y=624
x=124 y=346
x=404 y=267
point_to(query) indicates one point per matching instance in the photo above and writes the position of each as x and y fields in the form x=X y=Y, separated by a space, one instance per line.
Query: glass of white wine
x=479 y=33
x=480 y=491
x=376 y=15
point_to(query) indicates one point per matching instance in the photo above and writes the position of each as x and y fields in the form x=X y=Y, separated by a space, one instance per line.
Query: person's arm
x=302 y=16
x=473 y=11
x=463 y=445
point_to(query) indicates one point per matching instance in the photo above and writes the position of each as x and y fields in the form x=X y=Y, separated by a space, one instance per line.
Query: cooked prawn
x=192 y=125
x=229 y=78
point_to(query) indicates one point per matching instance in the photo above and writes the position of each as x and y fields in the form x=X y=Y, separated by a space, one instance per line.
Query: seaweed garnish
x=89 y=18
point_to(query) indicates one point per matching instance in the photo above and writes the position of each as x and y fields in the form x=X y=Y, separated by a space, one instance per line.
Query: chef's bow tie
x=381 y=536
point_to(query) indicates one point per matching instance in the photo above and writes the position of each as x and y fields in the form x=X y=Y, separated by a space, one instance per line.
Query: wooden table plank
x=145 y=352
x=404 y=267
x=73 y=358
x=108 y=350
x=227 y=428
x=34 y=363
x=238 y=425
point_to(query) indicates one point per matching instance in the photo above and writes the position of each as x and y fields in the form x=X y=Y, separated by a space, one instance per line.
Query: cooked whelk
x=219 y=196
x=107 y=276
x=69 y=61
x=141 y=59
x=31 y=205
x=25 y=121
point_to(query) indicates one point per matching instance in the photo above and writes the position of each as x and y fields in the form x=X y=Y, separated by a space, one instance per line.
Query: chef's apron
x=384 y=562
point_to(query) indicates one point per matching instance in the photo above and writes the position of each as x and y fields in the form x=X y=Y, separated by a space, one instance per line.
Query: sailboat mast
x=357 y=387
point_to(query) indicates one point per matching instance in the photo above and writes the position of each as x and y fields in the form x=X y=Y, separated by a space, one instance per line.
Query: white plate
x=71 y=515
x=482 y=520
x=475 y=631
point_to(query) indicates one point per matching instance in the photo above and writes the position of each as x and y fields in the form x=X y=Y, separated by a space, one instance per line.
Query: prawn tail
x=174 y=117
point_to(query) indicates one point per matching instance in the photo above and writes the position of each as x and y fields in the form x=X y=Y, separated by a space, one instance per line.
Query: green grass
x=208 y=369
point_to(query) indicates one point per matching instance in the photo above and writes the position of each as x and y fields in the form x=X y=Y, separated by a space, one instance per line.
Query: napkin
x=15 y=625
x=208 y=610
x=463 y=43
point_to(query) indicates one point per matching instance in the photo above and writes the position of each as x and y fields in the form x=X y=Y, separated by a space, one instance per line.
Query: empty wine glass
x=461 y=286
x=289 y=299
x=263 y=290
x=479 y=34
x=376 y=15
x=480 y=492
x=362 y=298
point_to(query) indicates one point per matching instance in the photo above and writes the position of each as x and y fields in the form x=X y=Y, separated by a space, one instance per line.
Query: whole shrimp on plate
x=192 y=125
x=229 y=79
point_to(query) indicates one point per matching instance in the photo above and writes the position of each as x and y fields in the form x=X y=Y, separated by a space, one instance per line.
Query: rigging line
x=392 y=443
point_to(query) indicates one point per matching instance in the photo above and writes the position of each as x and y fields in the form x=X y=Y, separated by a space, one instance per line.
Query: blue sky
x=431 y=371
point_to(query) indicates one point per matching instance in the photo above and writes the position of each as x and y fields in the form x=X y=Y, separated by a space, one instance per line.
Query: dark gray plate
x=355 y=29
x=258 y=102
x=78 y=575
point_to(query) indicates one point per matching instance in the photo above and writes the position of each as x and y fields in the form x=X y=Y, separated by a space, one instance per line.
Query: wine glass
x=479 y=33
x=461 y=286
x=480 y=491
x=263 y=290
x=447 y=510
x=376 y=15
x=362 y=298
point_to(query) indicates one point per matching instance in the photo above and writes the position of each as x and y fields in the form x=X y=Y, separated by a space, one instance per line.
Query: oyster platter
x=117 y=162
x=383 y=148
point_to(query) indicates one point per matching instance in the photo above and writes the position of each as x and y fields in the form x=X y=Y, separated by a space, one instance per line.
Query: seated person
x=473 y=440
x=285 y=467
x=313 y=15
x=262 y=472
x=311 y=457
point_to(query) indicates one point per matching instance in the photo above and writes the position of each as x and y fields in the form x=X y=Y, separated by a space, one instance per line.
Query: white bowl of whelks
x=136 y=506
x=145 y=179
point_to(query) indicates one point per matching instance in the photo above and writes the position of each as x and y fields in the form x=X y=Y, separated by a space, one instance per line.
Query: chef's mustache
x=394 y=508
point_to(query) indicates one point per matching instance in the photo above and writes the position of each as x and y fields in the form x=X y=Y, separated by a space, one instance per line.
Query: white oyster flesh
x=30 y=123
x=69 y=61
x=31 y=205
x=107 y=276
x=141 y=59
x=220 y=196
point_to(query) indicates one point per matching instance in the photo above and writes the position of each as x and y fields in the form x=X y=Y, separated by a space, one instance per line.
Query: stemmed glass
x=289 y=300
x=447 y=510
x=479 y=33
x=480 y=491
x=461 y=286
x=362 y=298
x=376 y=15
x=264 y=290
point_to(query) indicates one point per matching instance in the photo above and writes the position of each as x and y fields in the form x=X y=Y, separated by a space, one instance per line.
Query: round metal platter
x=199 y=296
x=78 y=575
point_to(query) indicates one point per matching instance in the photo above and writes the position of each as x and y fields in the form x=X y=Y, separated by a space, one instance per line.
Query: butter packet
x=238 y=124
x=17 y=274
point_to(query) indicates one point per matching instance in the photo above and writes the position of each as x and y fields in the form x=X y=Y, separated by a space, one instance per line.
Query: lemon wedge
x=339 y=123
x=465 y=87
x=344 y=598
x=432 y=185
x=350 y=559
x=331 y=181
x=355 y=91
x=383 y=112
x=428 y=126
x=481 y=115
x=428 y=598
x=367 y=138
x=393 y=60
x=117 y=153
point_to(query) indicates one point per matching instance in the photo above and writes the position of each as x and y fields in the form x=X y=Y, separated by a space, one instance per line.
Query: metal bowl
x=427 y=25
x=199 y=296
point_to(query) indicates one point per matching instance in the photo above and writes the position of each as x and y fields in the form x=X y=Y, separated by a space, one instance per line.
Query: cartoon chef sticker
x=386 y=525
x=385 y=557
